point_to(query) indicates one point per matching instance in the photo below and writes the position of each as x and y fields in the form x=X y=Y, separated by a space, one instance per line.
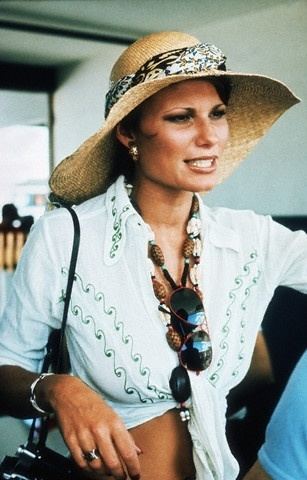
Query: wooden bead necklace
x=191 y=249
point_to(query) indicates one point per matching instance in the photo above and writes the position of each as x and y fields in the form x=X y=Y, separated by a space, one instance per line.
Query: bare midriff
x=167 y=448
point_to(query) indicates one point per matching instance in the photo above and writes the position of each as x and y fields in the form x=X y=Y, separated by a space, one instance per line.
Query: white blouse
x=115 y=335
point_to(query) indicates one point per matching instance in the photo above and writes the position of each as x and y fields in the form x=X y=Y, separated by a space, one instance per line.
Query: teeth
x=202 y=163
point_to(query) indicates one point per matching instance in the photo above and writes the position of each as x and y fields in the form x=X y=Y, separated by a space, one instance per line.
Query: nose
x=206 y=134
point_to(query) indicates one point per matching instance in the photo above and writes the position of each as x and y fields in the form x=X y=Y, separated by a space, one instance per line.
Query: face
x=181 y=136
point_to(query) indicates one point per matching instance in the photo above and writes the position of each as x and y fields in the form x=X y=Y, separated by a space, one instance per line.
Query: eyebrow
x=192 y=109
x=187 y=109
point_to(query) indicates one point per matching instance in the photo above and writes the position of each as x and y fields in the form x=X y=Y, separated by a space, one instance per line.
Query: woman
x=169 y=294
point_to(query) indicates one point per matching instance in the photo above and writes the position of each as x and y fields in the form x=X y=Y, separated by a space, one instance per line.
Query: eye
x=179 y=117
x=218 y=112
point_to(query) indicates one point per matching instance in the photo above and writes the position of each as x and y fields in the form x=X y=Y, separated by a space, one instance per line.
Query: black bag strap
x=71 y=274
x=56 y=342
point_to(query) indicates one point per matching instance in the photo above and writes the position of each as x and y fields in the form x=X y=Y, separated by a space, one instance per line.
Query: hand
x=88 y=424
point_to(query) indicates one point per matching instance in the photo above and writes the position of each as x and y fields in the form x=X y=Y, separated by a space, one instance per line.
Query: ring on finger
x=91 y=455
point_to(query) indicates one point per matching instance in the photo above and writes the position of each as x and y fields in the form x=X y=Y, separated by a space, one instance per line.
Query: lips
x=202 y=162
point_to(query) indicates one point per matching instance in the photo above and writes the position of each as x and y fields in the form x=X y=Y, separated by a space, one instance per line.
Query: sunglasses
x=187 y=319
x=195 y=353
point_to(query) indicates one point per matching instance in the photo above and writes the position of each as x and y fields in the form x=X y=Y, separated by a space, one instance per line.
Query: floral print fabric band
x=198 y=58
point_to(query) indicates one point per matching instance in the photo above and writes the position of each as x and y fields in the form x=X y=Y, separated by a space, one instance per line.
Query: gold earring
x=133 y=151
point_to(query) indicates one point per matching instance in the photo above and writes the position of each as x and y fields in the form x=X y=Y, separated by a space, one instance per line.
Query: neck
x=167 y=213
x=163 y=209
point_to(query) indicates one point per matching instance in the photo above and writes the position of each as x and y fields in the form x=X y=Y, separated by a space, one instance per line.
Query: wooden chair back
x=11 y=242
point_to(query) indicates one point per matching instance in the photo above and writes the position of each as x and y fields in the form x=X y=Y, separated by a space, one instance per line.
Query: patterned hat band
x=202 y=57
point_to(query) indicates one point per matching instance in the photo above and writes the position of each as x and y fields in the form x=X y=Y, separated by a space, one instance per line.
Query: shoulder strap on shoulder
x=70 y=280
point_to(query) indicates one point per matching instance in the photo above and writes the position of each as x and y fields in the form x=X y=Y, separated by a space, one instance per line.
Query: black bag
x=33 y=460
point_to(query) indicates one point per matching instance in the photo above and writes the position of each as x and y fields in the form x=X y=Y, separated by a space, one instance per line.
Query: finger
x=94 y=463
x=84 y=454
x=79 y=458
x=128 y=452
x=90 y=454
x=83 y=442
x=112 y=462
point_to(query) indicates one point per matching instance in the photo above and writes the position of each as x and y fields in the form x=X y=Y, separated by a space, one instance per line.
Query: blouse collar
x=119 y=209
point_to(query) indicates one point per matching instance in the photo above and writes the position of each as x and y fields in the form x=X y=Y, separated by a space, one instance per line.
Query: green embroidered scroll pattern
x=117 y=224
x=110 y=353
x=137 y=358
x=239 y=281
x=119 y=371
x=62 y=296
x=225 y=330
x=64 y=272
x=98 y=297
x=247 y=291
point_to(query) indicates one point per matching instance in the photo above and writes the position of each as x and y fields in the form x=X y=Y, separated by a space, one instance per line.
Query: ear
x=124 y=136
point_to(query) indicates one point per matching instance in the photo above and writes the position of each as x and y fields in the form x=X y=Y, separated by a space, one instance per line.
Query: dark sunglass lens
x=180 y=384
x=187 y=305
x=181 y=327
x=196 y=353
x=196 y=318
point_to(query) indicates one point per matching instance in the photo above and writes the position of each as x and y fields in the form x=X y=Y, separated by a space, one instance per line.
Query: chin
x=203 y=187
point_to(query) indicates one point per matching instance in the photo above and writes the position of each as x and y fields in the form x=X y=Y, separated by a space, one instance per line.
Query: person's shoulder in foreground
x=283 y=455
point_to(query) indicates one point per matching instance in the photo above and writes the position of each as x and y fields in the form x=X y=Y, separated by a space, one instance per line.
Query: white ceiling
x=23 y=23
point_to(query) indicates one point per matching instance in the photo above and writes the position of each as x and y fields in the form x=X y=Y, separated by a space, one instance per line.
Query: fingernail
x=138 y=450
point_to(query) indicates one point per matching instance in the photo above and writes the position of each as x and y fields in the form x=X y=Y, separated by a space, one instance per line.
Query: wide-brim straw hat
x=148 y=65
